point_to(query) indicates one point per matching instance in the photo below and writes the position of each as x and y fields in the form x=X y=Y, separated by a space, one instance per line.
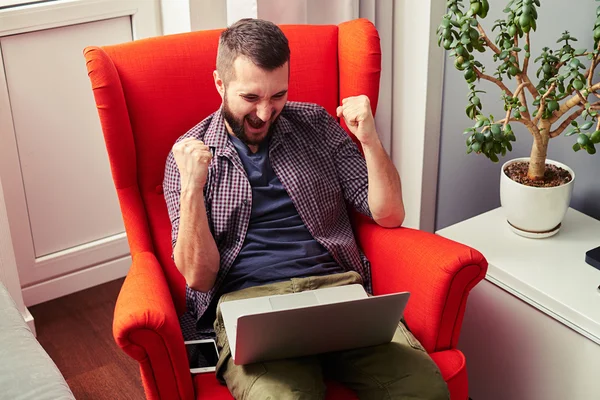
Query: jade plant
x=563 y=92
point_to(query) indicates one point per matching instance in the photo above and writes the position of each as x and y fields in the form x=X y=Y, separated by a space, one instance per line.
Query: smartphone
x=202 y=355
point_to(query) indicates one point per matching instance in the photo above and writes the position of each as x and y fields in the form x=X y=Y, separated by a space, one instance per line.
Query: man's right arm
x=195 y=253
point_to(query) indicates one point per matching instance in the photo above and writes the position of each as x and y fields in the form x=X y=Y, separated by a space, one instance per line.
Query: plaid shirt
x=317 y=163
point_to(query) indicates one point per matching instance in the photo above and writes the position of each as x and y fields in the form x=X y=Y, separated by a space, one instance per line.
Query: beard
x=238 y=128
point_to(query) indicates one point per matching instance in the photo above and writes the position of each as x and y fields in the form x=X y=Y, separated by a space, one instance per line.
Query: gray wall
x=470 y=184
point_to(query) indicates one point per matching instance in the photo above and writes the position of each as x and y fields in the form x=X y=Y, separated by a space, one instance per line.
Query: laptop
x=311 y=322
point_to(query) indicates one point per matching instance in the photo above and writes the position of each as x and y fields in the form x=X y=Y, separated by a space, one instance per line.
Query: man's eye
x=250 y=98
x=279 y=95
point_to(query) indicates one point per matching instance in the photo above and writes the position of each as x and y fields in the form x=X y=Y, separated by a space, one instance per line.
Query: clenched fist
x=356 y=111
x=193 y=158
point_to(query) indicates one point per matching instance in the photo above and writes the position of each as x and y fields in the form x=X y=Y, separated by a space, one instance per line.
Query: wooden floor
x=76 y=331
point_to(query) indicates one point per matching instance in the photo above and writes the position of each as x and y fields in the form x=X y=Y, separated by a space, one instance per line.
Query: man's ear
x=219 y=84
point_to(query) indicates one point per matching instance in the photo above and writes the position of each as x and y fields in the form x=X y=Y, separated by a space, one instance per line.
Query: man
x=257 y=195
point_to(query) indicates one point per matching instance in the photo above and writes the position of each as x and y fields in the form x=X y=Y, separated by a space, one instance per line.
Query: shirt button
x=245 y=201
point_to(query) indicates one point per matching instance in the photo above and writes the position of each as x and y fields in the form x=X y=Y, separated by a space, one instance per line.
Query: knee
x=269 y=390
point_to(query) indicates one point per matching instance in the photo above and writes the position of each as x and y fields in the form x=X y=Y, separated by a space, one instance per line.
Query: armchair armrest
x=147 y=328
x=438 y=272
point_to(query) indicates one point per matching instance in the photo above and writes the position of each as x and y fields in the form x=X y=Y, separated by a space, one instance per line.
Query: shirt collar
x=283 y=127
x=216 y=134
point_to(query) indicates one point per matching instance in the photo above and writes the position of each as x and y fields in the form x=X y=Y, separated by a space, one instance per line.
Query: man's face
x=253 y=99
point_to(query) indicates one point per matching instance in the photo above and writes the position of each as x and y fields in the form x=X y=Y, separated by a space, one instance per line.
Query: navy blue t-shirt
x=278 y=246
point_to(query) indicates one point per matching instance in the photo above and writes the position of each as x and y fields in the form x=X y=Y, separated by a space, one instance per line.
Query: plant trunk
x=539 y=151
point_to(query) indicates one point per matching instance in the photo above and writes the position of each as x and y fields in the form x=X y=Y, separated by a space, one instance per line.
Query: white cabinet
x=532 y=328
x=64 y=217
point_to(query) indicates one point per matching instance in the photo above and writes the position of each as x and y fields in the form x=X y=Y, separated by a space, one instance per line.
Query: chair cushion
x=451 y=363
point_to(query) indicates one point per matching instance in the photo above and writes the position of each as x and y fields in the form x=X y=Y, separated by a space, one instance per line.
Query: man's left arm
x=384 y=189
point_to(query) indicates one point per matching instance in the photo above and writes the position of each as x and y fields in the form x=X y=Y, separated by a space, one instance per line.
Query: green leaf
x=576 y=147
x=571 y=131
x=494 y=157
x=574 y=123
x=579 y=52
x=565 y=57
x=583 y=139
x=586 y=125
x=591 y=149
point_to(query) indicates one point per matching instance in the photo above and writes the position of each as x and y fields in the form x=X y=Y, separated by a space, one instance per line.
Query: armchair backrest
x=149 y=92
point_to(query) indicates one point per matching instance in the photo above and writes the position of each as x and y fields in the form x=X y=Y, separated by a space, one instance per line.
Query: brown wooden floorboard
x=76 y=331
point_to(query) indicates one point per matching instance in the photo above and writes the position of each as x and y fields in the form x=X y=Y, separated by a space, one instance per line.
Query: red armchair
x=148 y=93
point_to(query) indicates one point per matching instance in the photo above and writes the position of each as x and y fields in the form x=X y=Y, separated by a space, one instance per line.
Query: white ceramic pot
x=532 y=211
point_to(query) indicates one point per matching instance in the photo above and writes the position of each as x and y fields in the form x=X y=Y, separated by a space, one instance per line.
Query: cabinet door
x=64 y=215
x=69 y=191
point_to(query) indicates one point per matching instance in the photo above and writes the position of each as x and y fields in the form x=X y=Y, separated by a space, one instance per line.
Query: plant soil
x=554 y=176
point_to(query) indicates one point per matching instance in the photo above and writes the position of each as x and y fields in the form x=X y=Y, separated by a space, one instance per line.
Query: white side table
x=532 y=327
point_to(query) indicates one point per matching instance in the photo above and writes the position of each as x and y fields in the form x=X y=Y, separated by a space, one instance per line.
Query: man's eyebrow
x=245 y=94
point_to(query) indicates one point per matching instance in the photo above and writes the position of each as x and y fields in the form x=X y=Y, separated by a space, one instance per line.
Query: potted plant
x=535 y=191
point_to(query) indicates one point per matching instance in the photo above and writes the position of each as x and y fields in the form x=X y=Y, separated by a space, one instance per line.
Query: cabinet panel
x=70 y=195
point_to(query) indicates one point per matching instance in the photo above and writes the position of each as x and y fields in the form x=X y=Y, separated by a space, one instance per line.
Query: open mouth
x=256 y=124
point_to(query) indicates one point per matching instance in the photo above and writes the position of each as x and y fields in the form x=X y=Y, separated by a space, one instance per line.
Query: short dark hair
x=259 y=40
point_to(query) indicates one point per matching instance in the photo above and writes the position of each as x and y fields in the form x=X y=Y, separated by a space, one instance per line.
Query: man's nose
x=264 y=112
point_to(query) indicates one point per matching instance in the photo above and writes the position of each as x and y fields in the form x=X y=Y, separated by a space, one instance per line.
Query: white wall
x=175 y=16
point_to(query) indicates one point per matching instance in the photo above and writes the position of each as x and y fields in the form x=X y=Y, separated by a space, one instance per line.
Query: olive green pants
x=400 y=369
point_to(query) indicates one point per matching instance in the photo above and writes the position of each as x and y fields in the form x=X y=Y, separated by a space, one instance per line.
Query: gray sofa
x=26 y=370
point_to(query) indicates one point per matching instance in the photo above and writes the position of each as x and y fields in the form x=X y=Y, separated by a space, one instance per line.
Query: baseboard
x=29 y=320
x=76 y=281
